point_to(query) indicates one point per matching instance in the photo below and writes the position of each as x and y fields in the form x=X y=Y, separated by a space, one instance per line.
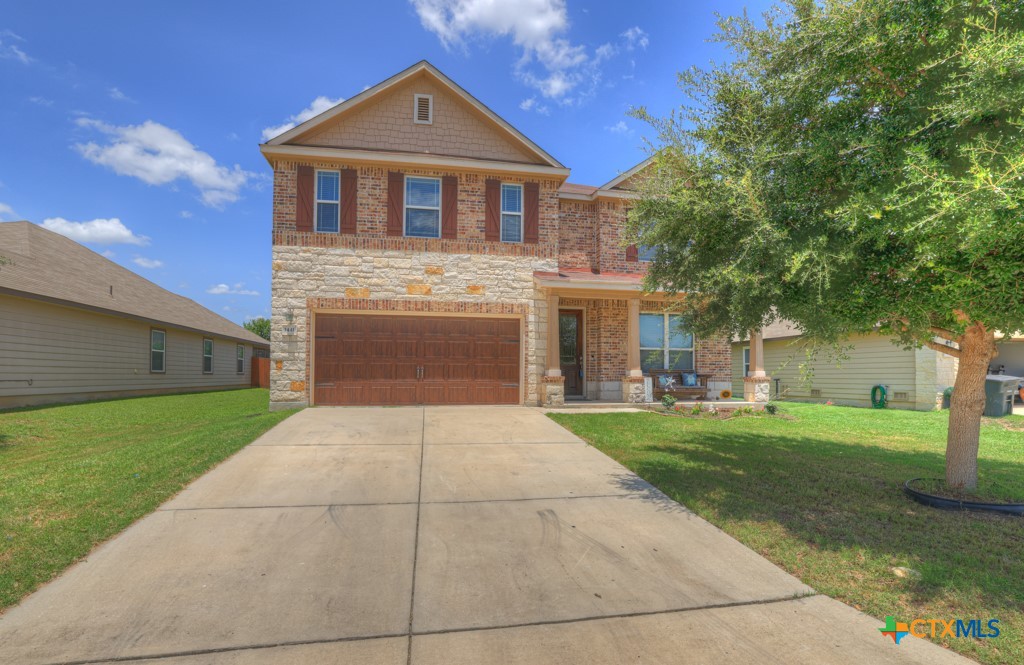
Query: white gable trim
x=615 y=182
x=422 y=66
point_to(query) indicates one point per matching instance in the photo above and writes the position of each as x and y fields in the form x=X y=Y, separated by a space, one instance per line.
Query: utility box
x=999 y=392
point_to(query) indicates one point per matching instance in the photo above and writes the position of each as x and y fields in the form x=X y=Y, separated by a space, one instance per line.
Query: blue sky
x=134 y=126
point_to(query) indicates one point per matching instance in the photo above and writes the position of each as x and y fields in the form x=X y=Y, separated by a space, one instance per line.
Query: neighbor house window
x=423 y=207
x=157 y=350
x=746 y=361
x=207 y=356
x=240 y=358
x=646 y=253
x=663 y=343
x=328 y=201
x=511 y=213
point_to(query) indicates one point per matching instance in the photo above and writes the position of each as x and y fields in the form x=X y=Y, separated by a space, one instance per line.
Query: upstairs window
x=207 y=356
x=423 y=207
x=328 y=201
x=664 y=344
x=157 y=350
x=645 y=253
x=240 y=358
x=511 y=213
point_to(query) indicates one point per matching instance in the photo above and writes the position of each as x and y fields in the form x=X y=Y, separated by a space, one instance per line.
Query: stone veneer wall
x=306 y=278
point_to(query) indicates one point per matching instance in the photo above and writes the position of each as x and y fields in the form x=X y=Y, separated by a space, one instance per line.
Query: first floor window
x=746 y=361
x=511 y=213
x=207 y=356
x=664 y=344
x=157 y=350
x=328 y=201
x=423 y=207
x=645 y=253
x=240 y=358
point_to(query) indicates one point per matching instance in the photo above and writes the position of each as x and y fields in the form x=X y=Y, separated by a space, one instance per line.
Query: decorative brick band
x=756 y=379
x=552 y=379
x=632 y=379
x=439 y=306
x=338 y=240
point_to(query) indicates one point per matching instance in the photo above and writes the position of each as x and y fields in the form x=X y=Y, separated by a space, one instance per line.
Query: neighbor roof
x=47 y=266
x=420 y=68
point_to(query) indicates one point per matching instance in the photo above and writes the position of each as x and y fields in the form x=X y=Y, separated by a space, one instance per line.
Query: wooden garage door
x=380 y=359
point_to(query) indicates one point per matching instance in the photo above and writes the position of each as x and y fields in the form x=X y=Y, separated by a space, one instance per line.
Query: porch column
x=554 y=367
x=756 y=384
x=633 y=339
x=552 y=384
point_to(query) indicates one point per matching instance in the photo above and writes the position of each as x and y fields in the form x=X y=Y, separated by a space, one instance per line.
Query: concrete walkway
x=447 y=535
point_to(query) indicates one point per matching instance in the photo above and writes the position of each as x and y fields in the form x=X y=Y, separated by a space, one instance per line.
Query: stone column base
x=633 y=389
x=552 y=391
x=756 y=388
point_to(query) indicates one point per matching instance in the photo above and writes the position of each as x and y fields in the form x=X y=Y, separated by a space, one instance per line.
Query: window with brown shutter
x=492 y=210
x=531 y=212
x=632 y=255
x=349 y=182
x=450 y=207
x=396 y=202
x=304 y=199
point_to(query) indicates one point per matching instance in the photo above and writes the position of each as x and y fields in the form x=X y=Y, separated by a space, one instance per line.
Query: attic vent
x=900 y=397
x=423 y=109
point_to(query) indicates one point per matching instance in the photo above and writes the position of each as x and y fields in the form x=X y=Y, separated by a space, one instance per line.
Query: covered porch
x=604 y=336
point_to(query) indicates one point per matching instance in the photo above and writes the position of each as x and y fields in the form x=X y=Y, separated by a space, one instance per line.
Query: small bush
x=695 y=411
x=771 y=408
x=668 y=401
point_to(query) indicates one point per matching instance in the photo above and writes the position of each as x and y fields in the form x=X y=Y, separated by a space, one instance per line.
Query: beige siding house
x=914 y=379
x=75 y=326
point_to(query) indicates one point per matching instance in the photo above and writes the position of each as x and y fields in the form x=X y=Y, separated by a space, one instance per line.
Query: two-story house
x=427 y=252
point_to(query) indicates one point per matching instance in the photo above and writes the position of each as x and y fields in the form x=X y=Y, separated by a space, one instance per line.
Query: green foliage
x=668 y=401
x=771 y=408
x=859 y=163
x=259 y=326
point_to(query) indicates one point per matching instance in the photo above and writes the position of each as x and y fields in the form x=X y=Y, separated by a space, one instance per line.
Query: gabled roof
x=47 y=266
x=612 y=189
x=422 y=68
x=615 y=182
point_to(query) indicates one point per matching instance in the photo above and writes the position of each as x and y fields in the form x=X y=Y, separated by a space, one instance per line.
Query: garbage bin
x=999 y=392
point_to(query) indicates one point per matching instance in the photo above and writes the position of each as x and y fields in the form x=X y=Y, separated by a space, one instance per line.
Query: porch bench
x=672 y=382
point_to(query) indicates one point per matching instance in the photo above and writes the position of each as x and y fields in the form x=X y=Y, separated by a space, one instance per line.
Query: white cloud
x=550 y=63
x=7 y=211
x=236 y=290
x=9 y=51
x=185 y=214
x=119 y=96
x=108 y=253
x=636 y=38
x=318 y=106
x=100 y=231
x=42 y=101
x=158 y=155
x=147 y=263
x=528 y=104
x=619 y=128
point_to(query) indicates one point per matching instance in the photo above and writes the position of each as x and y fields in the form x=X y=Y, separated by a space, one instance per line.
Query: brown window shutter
x=531 y=212
x=304 y=198
x=450 y=209
x=632 y=255
x=492 y=210
x=349 y=200
x=396 y=203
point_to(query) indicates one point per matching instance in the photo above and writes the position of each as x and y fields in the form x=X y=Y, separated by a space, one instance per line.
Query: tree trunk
x=977 y=348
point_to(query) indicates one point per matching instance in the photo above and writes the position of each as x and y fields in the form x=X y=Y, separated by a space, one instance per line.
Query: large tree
x=858 y=166
x=259 y=326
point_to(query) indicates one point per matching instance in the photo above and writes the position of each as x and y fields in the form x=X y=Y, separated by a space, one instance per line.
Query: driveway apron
x=432 y=535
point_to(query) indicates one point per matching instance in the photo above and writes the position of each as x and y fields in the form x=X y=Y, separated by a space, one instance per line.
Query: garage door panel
x=391 y=359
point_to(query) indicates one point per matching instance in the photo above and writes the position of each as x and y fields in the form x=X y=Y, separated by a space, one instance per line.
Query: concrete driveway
x=463 y=535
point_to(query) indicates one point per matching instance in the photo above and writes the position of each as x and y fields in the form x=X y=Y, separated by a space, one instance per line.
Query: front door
x=570 y=350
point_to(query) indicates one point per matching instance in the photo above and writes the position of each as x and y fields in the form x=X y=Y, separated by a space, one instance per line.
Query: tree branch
x=942 y=348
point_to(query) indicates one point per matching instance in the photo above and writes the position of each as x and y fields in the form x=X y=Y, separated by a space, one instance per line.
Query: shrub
x=771 y=408
x=668 y=401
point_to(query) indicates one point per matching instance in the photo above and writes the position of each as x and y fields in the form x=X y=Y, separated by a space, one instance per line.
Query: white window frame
x=162 y=352
x=406 y=207
x=746 y=361
x=317 y=201
x=416 y=109
x=240 y=359
x=666 y=347
x=502 y=212
x=205 y=340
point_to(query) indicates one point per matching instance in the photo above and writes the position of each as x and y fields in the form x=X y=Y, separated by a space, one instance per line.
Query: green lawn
x=72 y=476
x=820 y=495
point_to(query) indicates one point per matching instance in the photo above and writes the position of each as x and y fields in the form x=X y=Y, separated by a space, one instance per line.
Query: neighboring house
x=914 y=379
x=426 y=252
x=76 y=326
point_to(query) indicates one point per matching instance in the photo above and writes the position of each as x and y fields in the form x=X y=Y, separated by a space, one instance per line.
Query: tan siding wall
x=65 y=351
x=388 y=125
x=872 y=360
